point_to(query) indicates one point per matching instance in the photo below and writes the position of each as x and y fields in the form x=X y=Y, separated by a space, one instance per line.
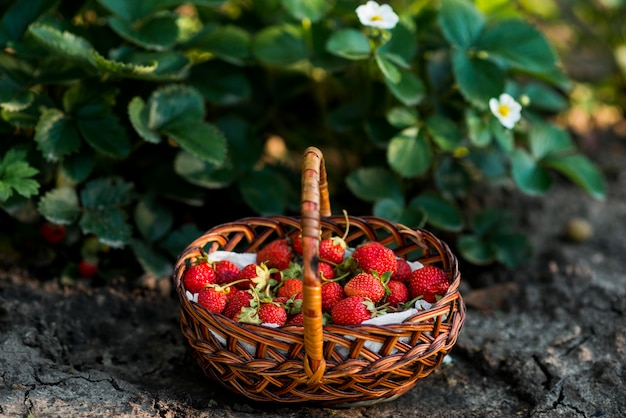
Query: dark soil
x=547 y=339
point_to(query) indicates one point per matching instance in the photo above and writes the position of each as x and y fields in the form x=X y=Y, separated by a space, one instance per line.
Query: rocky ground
x=545 y=340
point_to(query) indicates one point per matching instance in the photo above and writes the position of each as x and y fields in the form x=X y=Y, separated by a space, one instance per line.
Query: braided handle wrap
x=315 y=203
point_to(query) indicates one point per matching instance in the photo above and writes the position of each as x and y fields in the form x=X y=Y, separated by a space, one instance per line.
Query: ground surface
x=546 y=340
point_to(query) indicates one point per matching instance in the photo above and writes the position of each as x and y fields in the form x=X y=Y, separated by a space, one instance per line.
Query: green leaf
x=402 y=117
x=134 y=10
x=389 y=209
x=151 y=260
x=203 y=173
x=19 y=15
x=229 y=43
x=14 y=175
x=60 y=205
x=200 y=139
x=108 y=225
x=409 y=89
x=265 y=191
x=56 y=135
x=374 y=183
x=479 y=80
x=451 y=178
x=461 y=22
x=581 y=171
x=520 y=45
x=14 y=97
x=511 y=249
x=78 y=167
x=105 y=134
x=444 y=132
x=504 y=137
x=279 y=46
x=176 y=242
x=545 y=98
x=221 y=84
x=409 y=153
x=546 y=140
x=390 y=71
x=152 y=219
x=440 y=212
x=475 y=250
x=528 y=175
x=172 y=103
x=138 y=119
x=401 y=48
x=313 y=10
x=158 y=32
x=478 y=129
x=349 y=43
x=106 y=193
x=490 y=163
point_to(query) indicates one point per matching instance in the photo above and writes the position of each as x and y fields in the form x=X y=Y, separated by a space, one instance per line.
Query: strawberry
x=277 y=254
x=373 y=256
x=53 y=233
x=88 y=268
x=214 y=298
x=332 y=292
x=198 y=276
x=289 y=287
x=237 y=300
x=272 y=313
x=297 y=319
x=258 y=276
x=403 y=272
x=398 y=293
x=429 y=281
x=352 y=310
x=332 y=250
x=296 y=243
x=366 y=285
x=325 y=271
x=225 y=271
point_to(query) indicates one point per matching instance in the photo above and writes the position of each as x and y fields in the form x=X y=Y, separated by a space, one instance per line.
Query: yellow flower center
x=376 y=18
x=503 y=110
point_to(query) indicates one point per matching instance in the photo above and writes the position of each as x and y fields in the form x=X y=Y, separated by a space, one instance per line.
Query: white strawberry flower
x=377 y=15
x=506 y=109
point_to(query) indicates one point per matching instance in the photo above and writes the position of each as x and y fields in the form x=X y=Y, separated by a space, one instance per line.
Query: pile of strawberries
x=357 y=284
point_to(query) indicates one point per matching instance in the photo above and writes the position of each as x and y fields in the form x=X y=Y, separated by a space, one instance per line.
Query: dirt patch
x=545 y=340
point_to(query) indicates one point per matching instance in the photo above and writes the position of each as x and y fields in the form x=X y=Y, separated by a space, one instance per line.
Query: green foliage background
x=139 y=124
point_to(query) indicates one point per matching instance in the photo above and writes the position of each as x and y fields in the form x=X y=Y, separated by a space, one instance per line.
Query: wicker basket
x=329 y=365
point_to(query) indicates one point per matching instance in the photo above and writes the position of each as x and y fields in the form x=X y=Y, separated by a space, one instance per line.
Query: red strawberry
x=87 y=268
x=403 y=272
x=365 y=285
x=254 y=275
x=352 y=310
x=325 y=271
x=214 y=298
x=289 y=287
x=332 y=250
x=296 y=243
x=277 y=254
x=198 y=276
x=225 y=271
x=237 y=299
x=332 y=292
x=297 y=319
x=399 y=293
x=53 y=233
x=272 y=313
x=373 y=256
x=428 y=281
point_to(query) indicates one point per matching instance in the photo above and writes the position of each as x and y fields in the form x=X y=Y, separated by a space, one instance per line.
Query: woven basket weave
x=329 y=365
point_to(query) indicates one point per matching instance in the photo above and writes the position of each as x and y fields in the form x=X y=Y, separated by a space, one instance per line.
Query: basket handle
x=315 y=203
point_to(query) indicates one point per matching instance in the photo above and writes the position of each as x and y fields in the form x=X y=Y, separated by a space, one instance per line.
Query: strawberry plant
x=141 y=124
